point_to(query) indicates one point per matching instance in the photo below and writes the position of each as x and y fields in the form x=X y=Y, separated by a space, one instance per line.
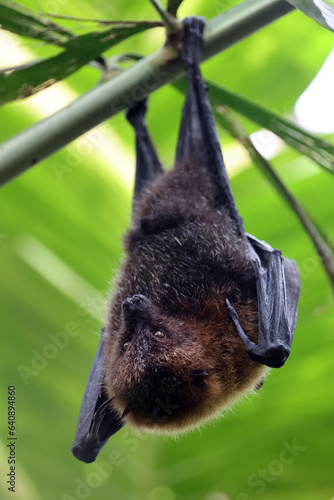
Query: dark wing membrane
x=97 y=422
x=278 y=289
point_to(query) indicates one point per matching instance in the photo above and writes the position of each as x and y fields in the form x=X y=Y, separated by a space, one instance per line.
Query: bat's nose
x=135 y=303
x=135 y=307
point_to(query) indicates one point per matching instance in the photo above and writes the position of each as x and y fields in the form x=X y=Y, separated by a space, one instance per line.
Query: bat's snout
x=135 y=306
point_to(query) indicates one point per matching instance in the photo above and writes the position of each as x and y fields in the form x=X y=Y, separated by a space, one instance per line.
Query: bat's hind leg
x=198 y=139
x=147 y=161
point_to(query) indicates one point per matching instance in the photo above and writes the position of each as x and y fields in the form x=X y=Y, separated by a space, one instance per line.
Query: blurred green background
x=60 y=244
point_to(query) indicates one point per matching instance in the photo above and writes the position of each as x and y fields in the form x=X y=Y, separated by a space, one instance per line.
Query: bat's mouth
x=162 y=401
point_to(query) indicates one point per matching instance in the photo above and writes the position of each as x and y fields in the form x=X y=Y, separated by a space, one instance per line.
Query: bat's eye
x=159 y=334
x=125 y=346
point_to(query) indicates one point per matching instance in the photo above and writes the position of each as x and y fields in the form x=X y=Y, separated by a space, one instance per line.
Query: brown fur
x=184 y=258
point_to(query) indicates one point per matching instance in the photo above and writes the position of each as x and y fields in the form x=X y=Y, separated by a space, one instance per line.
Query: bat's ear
x=97 y=421
x=278 y=289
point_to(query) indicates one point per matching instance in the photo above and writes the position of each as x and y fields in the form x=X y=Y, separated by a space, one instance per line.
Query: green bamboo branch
x=44 y=138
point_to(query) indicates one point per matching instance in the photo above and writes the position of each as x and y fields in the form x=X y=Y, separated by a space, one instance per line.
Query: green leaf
x=320 y=11
x=173 y=5
x=100 y=22
x=78 y=52
x=24 y=22
x=316 y=233
x=309 y=145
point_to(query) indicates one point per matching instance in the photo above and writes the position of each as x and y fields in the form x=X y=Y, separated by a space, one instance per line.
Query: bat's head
x=165 y=373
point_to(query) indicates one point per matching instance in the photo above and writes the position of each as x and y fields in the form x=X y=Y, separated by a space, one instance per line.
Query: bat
x=201 y=309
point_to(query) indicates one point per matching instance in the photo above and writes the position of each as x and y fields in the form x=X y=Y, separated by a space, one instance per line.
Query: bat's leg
x=198 y=140
x=147 y=161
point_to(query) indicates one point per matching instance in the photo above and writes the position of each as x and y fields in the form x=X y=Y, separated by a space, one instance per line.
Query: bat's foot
x=135 y=114
x=274 y=356
x=191 y=53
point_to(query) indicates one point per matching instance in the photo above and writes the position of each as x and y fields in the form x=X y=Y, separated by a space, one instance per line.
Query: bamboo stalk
x=49 y=135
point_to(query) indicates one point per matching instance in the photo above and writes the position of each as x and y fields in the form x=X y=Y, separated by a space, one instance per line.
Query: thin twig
x=102 y=21
x=171 y=23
